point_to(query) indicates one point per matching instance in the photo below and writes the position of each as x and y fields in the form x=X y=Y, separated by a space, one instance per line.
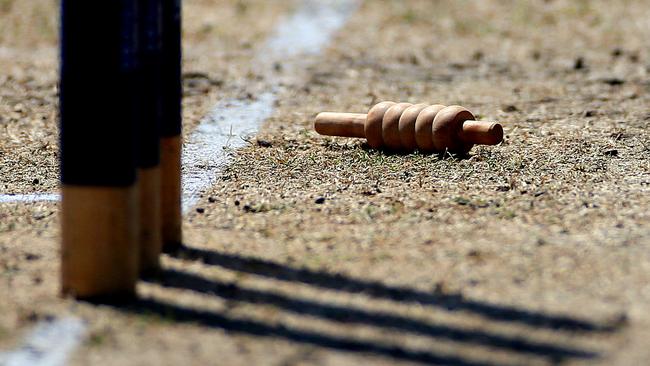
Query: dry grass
x=572 y=137
x=28 y=34
x=306 y=237
x=556 y=217
x=217 y=59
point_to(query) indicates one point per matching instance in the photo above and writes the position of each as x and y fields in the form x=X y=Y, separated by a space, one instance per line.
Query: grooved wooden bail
x=407 y=127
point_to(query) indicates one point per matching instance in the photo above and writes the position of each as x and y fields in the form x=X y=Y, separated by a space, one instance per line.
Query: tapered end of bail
x=482 y=132
x=340 y=124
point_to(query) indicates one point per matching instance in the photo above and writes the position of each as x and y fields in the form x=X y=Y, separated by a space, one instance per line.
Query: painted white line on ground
x=49 y=344
x=208 y=148
x=309 y=29
x=36 y=197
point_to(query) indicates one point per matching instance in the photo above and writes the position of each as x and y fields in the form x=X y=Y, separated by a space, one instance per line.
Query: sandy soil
x=314 y=250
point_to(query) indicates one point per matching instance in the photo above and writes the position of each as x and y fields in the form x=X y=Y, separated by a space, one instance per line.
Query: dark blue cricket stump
x=98 y=117
x=171 y=141
x=150 y=101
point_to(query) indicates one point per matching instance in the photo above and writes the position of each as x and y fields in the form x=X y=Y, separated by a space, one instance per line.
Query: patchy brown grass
x=309 y=238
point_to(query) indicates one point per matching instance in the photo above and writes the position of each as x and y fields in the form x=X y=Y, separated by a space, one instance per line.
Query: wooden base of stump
x=150 y=220
x=170 y=175
x=99 y=230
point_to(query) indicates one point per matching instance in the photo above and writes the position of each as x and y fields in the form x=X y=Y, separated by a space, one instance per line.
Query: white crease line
x=36 y=197
x=309 y=29
x=208 y=148
x=49 y=344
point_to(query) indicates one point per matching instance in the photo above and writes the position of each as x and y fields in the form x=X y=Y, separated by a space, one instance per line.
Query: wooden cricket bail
x=404 y=126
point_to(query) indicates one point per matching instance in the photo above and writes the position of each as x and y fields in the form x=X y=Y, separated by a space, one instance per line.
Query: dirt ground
x=320 y=251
